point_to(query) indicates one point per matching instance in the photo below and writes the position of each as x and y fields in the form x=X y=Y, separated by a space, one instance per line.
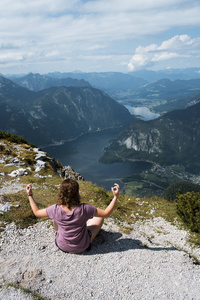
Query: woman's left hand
x=115 y=190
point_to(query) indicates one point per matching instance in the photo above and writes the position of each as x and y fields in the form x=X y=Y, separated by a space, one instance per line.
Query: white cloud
x=4 y=58
x=176 y=42
x=104 y=6
x=176 y=47
x=165 y=56
x=42 y=7
x=96 y=46
x=53 y=30
x=103 y=57
x=53 y=53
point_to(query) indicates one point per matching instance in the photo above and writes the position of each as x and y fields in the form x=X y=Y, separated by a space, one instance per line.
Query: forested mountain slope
x=57 y=113
x=172 y=138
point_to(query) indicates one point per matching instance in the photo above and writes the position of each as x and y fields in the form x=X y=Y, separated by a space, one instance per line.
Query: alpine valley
x=58 y=113
x=171 y=142
x=56 y=107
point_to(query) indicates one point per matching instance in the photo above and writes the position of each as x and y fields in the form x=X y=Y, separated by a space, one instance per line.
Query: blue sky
x=98 y=35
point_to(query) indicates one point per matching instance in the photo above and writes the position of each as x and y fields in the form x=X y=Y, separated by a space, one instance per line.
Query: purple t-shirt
x=72 y=235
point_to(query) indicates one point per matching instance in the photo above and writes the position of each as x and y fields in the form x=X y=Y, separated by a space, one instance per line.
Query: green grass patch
x=8 y=169
x=25 y=291
x=147 y=184
x=28 y=157
x=195 y=239
x=21 y=215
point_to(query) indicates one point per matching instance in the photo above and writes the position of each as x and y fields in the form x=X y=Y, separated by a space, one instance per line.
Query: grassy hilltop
x=129 y=209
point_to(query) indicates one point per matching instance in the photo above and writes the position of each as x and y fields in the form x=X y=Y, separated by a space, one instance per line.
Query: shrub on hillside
x=13 y=138
x=188 y=208
x=184 y=186
x=2 y=148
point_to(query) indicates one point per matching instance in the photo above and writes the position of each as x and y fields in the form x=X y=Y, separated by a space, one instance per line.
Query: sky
x=44 y=36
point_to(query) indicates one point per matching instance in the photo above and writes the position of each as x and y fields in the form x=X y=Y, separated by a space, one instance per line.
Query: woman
x=76 y=223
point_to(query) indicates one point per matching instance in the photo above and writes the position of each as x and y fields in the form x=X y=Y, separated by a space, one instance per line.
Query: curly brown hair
x=69 y=193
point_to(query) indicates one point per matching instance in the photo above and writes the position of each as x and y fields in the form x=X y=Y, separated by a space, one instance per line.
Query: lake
x=142 y=111
x=83 y=153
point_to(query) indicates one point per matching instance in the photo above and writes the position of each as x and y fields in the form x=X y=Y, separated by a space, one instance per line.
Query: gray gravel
x=141 y=265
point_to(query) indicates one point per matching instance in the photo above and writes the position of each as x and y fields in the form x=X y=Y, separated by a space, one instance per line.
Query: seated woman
x=76 y=223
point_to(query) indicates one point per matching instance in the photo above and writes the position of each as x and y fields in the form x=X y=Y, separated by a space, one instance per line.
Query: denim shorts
x=90 y=235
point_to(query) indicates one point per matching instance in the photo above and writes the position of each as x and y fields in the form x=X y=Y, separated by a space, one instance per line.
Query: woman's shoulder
x=53 y=207
x=52 y=210
x=84 y=205
x=87 y=207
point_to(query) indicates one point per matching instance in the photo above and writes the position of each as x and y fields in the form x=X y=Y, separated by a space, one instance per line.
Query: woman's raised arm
x=37 y=212
x=105 y=213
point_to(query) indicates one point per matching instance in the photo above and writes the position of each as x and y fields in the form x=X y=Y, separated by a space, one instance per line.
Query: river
x=83 y=153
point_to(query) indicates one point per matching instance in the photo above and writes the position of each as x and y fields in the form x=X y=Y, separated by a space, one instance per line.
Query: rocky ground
x=154 y=261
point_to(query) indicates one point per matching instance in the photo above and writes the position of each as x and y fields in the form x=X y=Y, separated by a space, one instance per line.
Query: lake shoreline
x=62 y=142
x=83 y=156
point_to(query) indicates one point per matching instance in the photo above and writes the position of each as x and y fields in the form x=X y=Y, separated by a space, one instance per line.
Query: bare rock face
x=143 y=141
x=68 y=172
x=173 y=138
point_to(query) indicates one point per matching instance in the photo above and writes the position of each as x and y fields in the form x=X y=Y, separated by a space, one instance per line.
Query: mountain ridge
x=172 y=74
x=37 y=82
x=169 y=95
x=58 y=113
x=109 y=82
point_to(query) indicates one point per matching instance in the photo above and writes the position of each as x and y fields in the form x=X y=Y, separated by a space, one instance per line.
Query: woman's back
x=72 y=235
x=76 y=224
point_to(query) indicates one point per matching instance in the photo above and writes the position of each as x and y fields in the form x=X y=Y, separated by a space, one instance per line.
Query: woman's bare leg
x=55 y=226
x=94 y=225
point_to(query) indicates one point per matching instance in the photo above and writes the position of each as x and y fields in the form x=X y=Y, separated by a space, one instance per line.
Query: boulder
x=4 y=207
x=41 y=164
x=68 y=172
x=19 y=172
x=37 y=169
x=41 y=156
